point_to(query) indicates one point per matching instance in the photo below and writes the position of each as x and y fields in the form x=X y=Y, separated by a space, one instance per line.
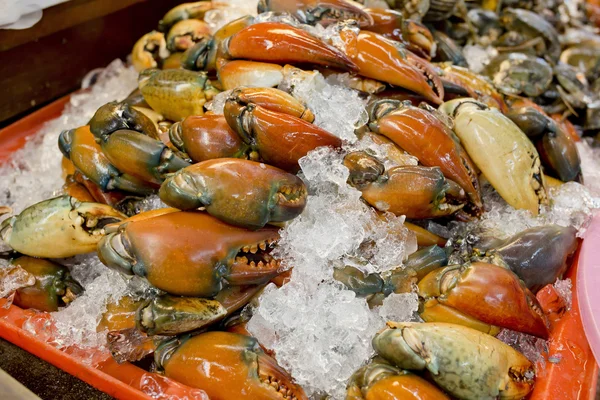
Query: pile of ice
x=229 y=10
x=320 y=331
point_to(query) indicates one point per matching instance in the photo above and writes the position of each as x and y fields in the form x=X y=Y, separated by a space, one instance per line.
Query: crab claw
x=422 y=133
x=240 y=192
x=539 y=255
x=489 y=293
x=207 y=137
x=280 y=139
x=274 y=100
x=120 y=115
x=415 y=191
x=140 y=156
x=281 y=43
x=169 y=315
x=238 y=73
x=226 y=366
x=381 y=380
x=385 y=60
x=557 y=148
x=149 y=50
x=324 y=12
x=501 y=151
x=466 y=363
x=190 y=253
x=392 y=25
x=184 y=34
x=53 y=287
x=59 y=227
x=176 y=93
x=79 y=146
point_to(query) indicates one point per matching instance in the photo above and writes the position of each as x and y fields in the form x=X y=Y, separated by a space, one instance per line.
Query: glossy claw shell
x=466 y=363
x=501 y=151
x=239 y=192
x=59 y=227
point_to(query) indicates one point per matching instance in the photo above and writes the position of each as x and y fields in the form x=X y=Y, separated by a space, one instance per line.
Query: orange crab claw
x=280 y=139
x=392 y=25
x=422 y=134
x=274 y=100
x=190 y=253
x=281 y=43
x=226 y=366
x=207 y=137
x=490 y=293
x=385 y=60
x=414 y=191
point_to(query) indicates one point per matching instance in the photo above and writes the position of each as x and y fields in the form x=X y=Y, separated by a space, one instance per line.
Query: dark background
x=49 y=60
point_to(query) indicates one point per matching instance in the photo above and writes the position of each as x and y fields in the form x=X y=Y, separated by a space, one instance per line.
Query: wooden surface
x=49 y=60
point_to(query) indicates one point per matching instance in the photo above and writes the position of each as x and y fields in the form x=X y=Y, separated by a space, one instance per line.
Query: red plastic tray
x=574 y=377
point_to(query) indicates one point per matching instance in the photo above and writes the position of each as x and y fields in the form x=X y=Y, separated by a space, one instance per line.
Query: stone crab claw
x=121 y=115
x=501 y=151
x=392 y=25
x=184 y=34
x=59 y=227
x=79 y=146
x=240 y=192
x=208 y=137
x=488 y=293
x=386 y=60
x=227 y=366
x=422 y=133
x=176 y=93
x=280 y=139
x=283 y=44
x=381 y=380
x=149 y=51
x=53 y=287
x=557 y=148
x=537 y=255
x=272 y=99
x=414 y=191
x=173 y=315
x=466 y=363
x=140 y=156
x=324 y=12
x=190 y=253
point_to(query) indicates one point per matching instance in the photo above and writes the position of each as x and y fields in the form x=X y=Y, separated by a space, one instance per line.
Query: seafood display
x=324 y=199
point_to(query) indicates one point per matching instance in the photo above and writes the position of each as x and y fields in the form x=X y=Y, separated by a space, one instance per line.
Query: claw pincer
x=466 y=363
x=227 y=366
x=59 y=227
x=283 y=44
x=415 y=191
x=79 y=146
x=501 y=151
x=279 y=138
x=207 y=137
x=190 y=253
x=421 y=133
x=486 y=292
x=239 y=192
x=53 y=287
x=385 y=60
